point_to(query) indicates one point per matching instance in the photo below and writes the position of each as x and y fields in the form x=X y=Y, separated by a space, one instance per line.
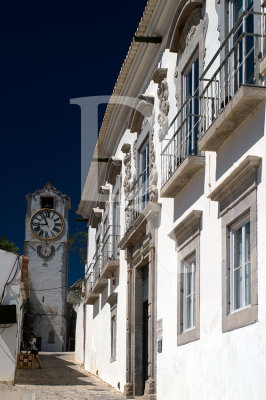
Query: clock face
x=47 y=224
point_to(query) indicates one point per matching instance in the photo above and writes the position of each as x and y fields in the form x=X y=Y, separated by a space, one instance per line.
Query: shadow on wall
x=240 y=142
x=43 y=326
x=189 y=195
x=104 y=296
x=8 y=337
x=96 y=307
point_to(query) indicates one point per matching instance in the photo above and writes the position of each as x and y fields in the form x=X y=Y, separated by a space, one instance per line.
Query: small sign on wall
x=160 y=346
x=160 y=335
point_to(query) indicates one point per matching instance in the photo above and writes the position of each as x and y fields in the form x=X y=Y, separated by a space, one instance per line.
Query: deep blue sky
x=52 y=52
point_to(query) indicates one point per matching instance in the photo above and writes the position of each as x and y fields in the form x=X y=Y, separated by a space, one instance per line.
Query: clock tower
x=46 y=244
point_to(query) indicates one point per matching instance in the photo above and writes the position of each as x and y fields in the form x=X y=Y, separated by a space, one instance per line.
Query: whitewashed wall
x=79 y=336
x=10 y=337
x=234 y=361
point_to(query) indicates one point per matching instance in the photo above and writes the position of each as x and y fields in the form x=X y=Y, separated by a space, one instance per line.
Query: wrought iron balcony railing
x=137 y=199
x=263 y=29
x=97 y=268
x=183 y=133
x=110 y=250
x=240 y=53
x=90 y=278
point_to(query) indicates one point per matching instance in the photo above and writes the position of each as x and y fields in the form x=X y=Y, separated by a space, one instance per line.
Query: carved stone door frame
x=140 y=245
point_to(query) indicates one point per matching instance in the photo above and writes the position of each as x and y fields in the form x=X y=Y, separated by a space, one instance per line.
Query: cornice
x=241 y=181
x=126 y=66
x=131 y=81
x=188 y=227
x=243 y=170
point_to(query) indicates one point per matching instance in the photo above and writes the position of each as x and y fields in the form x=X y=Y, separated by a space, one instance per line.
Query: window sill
x=240 y=318
x=113 y=358
x=190 y=335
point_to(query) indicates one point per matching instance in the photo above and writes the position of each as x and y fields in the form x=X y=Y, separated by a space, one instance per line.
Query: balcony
x=91 y=296
x=95 y=283
x=234 y=90
x=138 y=212
x=99 y=282
x=180 y=157
x=110 y=252
x=137 y=199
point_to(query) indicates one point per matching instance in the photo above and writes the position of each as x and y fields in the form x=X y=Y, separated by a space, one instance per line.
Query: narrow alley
x=62 y=378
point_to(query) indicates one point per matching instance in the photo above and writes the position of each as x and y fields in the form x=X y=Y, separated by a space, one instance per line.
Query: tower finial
x=49 y=185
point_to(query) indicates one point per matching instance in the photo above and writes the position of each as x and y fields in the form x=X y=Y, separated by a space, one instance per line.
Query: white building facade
x=175 y=301
x=14 y=289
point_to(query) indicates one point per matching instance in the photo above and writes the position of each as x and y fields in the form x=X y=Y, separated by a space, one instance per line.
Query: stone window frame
x=113 y=315
x=116 y=198
x=192 y=249
x=237 y=197
x=143 y=139
x=187 y=237
x=245 y=316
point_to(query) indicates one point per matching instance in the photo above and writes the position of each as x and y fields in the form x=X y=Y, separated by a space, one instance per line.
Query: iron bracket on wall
x=148 y=39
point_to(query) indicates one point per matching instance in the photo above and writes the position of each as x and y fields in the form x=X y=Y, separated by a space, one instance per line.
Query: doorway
x=145 y=325
x=141 y=330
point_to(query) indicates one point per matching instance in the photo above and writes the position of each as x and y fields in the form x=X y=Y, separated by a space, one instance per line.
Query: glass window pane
x=194 y=309
x=237 y=289
x=249 y=4
x=240 y=8
x=188 y=312
x=248 y=284
x=247 y=243
x=238 y=248
x=113 y=338
x=189 y=317
x=189 y=281
x=193 y=266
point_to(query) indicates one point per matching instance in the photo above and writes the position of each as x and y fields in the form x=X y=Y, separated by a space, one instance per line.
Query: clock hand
x=44 y=217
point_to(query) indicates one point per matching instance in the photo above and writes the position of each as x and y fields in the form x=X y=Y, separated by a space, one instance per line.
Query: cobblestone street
x=62 y=378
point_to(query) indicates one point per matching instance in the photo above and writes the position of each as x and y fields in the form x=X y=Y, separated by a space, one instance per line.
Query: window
x=240 y=288
x=98 y=250
x=113 y=333
x=241 y=44
x=189 y=299
x=236 y=8
x=190 y=107
x=51 y=335
x=144 y=175
x=187 y=236
x=237 y=197
x=105 y=225
x=240 y=265
x=116 y=226
x=47 y=202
